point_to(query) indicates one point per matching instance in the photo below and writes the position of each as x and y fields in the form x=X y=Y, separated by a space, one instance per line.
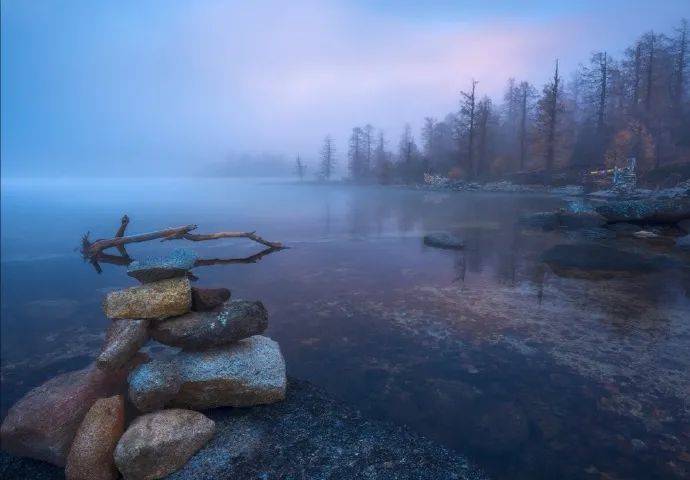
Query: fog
x=177 y=88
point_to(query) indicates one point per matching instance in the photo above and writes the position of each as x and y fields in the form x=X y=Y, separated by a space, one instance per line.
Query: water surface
x=487 y=350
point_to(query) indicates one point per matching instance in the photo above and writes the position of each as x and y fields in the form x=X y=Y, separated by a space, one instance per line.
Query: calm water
x=488 y=351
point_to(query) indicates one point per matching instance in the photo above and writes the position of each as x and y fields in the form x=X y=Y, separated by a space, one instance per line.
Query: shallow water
x=487 y=350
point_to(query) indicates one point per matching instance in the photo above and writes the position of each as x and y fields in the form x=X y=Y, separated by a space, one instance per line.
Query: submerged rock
x=196 y=330
x=157 y=444
x=502 y=427
x=684 y=225
x=154 y=384
x=647 y=210
x=268 y=442
x=683 y=243
x=205 y=299
x=91 y=454
x=43 y=423
x=153 y=269
x=443 y=240
x=563 y=219
x=249 y=372
x=589 y=258
x=123 y=340
x=163 y=299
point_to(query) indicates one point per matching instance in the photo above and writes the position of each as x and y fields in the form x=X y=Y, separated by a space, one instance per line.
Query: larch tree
x=327 y=156
x=300 y=168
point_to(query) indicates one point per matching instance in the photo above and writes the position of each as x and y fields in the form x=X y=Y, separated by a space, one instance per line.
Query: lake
x=530 y=373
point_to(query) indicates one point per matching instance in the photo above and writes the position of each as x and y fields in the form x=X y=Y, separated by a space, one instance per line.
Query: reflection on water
x=487 y=350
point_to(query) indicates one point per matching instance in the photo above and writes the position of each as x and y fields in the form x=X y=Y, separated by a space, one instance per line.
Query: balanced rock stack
x=77 y=420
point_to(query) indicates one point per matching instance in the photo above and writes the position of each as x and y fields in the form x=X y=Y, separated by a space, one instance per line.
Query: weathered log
x=93 y=249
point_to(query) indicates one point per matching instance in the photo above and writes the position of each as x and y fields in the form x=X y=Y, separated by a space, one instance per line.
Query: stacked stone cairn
x=132 y=415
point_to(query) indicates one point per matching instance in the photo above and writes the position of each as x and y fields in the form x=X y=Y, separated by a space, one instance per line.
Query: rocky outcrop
x=91 y=454
x=443 y=240
x=153 y=385
x=206 y=299
x=647 y=210
x=123 y=340
x=44 y=422
x=153 y=269
x=198 y=330
x=163 y=299
x=157 y=444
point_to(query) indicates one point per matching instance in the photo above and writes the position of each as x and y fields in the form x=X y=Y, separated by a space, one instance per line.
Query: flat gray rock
x=153 y=269
x=309 y=435
x=200 y=330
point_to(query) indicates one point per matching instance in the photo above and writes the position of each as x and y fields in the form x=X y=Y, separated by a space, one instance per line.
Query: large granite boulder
x=154 y=384
x=123 y=340
x=273 y=441
x=199 y=330
x=157 y=444
x=153 y=269
x=163 y=299
x=91 y=454
x=206 y=299
x=443 y=240
x=43 y=423
x=647 y=210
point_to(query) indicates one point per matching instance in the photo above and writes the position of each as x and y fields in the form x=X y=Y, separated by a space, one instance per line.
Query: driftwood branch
x=93 y=251
x=203 y=262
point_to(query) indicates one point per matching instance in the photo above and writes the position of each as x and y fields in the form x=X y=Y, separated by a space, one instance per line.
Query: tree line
x=608 y=110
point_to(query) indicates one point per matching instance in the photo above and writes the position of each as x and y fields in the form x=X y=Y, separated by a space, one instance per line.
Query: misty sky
x=134 y=87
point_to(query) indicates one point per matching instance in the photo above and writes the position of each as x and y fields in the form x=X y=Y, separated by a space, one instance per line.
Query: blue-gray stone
x=683 y=243
x=152 y=269
x=649 y=210
x=443 y=240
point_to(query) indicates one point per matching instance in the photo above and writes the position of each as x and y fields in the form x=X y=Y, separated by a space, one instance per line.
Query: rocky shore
x=132 y=415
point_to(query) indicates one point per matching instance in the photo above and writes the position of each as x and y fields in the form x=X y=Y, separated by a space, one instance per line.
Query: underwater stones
x=647 y=210
x=562 y=219
x=152 y=385
x=205 y=299
x=123 y=340
x=43 y=423
x=157 y=444
x=196 y=330
x=584 y=259
x=249 y=372
x=91 y=454
x=503 y=427
x=153 y=269
x=443 y=240
x=163 y=299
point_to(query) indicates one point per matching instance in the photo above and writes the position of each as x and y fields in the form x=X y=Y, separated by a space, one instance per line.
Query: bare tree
x=468 y=118
x=527 y=94
x=300 y=168
x=549 y=108
x=327 y=158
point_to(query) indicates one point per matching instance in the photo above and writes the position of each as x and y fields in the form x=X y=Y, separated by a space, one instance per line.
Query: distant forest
x=607 y=111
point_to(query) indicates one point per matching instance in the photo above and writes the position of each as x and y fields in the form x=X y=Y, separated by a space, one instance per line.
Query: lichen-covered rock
x=163 y=299
x=197 y=330
x=648 y=210
x=43 y=423
x=91 y=454
x=249 y=372
x=206 y=299
x=157 y=444
x=123 y=340
x=443 y=240
x=153 y=269
x=154 y=384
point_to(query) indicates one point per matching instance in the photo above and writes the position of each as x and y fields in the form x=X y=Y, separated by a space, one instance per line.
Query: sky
x=131 y=88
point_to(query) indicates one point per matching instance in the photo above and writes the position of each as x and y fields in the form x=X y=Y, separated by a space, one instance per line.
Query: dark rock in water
x=123 y=340
x=623 y=228
x=683 y=243
x=157 y=444
x=647 y=210
x=153 y=385
x=502 y=427
x=563 y=219
x=684 y=225
x=91 y=454
x=443 y=240
x=596 y=233
x=270 y=441
x=44 y=422
x=586 y=259
x=205 y=299
x=163 y=299
x=152 y=269
x=197 y=330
